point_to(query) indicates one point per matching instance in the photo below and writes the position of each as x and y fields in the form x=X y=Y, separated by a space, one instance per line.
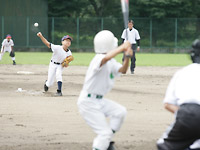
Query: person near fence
x=183 y=99
x=60 y=52
x=7 y=46
x=99 y=80
x=132 y=35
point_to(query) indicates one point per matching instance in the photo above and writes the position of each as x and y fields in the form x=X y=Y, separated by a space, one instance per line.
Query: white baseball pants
x=55 y=71
x=2 y=53
x=95 y=111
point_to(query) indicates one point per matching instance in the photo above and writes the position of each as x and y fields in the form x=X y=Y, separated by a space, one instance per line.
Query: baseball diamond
x=31 y=119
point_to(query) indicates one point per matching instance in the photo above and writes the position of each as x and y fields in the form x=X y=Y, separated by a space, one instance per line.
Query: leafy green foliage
x=83 y=8
x=112 y=8
x=165 y=8
x=64 y=8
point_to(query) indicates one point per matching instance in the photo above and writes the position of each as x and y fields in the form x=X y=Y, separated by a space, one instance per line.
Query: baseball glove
x=67 y=60
x=12 y=54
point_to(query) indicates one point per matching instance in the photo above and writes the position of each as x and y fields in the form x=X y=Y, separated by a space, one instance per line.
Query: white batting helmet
x=104 y=41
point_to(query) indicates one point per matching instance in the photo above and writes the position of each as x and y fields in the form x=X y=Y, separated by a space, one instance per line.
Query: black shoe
x=111 y=146
x=45 y=88
x=132 y=72
x=14 y=63
x=58 y=93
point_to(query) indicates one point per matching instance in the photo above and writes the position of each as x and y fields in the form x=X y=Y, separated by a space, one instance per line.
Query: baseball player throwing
x=7 y=46
x=102 y=71
x=60 y=58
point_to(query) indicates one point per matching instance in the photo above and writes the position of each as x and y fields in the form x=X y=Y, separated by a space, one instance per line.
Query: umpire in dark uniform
x=183 y=98
x=132 y=35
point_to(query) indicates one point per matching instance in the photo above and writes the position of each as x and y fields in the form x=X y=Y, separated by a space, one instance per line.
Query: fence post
x=176 y=28
x=52 y=32
x=150 y=33
x=27 y=31
x=2 y=27
x=77 y=30
x=102 y=22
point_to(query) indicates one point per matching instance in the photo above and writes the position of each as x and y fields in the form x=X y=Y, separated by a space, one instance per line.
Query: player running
x=7 y=46
x=99 y=80
x=60 y=52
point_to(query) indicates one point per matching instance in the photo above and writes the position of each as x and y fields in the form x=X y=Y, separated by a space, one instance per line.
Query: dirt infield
x=33 y=120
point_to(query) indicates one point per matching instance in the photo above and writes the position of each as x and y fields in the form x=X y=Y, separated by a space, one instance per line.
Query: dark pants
x=133 y=58
x=185 y=130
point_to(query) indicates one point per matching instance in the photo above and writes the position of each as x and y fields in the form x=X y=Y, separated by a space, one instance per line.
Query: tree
x=165 y=8
x=138 y=8
x=61 y=8
x=104 y=8
x=84 y=8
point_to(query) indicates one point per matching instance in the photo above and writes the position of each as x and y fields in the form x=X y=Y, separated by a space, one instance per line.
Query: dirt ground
x=33 y=120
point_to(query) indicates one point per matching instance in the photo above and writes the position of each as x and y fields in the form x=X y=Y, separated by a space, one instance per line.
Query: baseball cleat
x=14 y=63
x=111 y=146
x=58 y=93
x=45 y=88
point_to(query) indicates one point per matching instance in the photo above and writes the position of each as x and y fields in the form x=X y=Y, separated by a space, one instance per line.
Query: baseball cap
x=66 y=37
x=8 y=36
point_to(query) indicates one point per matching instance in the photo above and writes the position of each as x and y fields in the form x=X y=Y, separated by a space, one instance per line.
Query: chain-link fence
x=157 y=35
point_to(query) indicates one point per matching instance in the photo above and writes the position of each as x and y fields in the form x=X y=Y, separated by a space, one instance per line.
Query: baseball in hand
x=39 y=34
x=36 y=24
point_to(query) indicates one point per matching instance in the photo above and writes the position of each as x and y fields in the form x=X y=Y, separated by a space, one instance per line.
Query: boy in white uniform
x=7 y=46
x=60 y=52
x=98 y=81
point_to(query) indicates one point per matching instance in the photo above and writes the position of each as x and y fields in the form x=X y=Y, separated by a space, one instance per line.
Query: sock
x=59 y=86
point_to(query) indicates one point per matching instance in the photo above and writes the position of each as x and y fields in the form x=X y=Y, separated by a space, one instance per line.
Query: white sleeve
x=96 y=62
x=123 y=36
x=170 y=96
x=69 y=53
x=3 y=43
x=137 y=36
x=54 y=48
x=116 y=67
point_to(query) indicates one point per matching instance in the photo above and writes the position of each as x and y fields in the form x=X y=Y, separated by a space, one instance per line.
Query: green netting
x=157 y=35
x=18 y=17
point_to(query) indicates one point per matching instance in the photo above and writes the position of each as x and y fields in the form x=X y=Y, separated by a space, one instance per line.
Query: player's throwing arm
x=39 y=34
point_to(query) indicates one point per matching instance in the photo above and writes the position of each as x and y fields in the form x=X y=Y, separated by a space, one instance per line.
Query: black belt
x=57 y=63
x=96 y=96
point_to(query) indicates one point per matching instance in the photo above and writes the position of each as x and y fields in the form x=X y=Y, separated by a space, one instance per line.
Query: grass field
x=83 y=59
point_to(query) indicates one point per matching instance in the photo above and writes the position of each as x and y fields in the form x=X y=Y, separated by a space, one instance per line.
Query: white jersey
x=7 y=45
x=184 y=86
x=133 y=35
x=100 y=80
x=59 y=54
